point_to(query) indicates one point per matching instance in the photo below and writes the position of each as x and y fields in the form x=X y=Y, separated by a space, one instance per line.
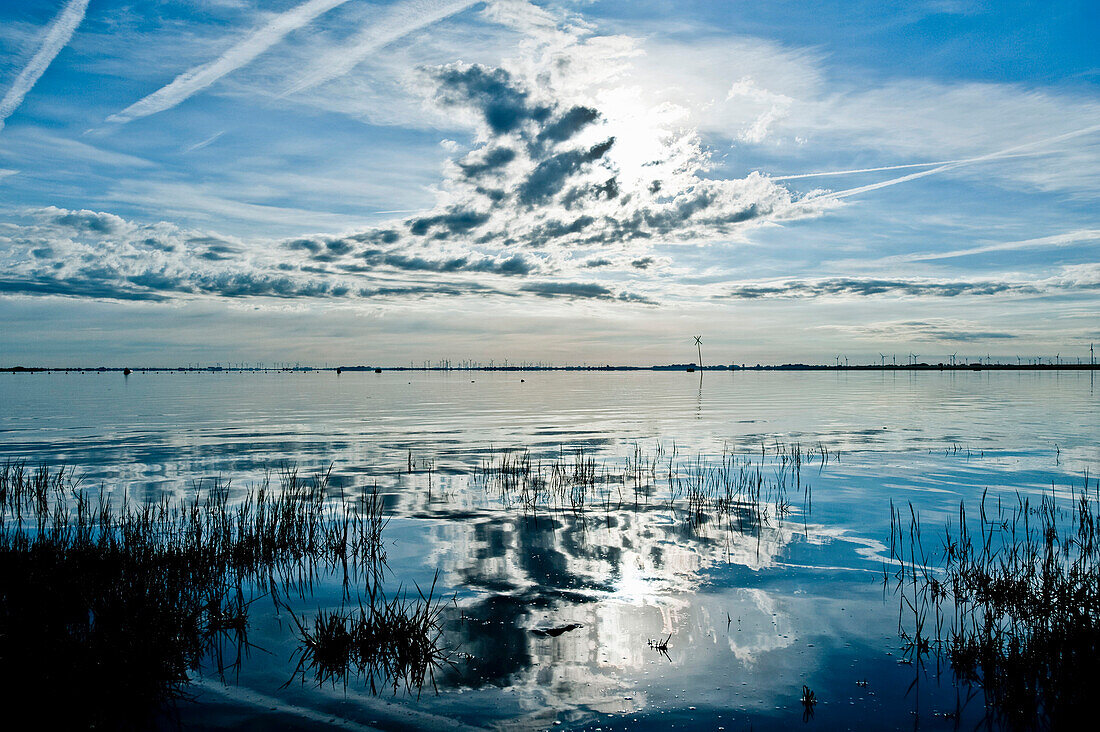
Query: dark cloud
x=151 y=242
x=504 y=104
x=586 y=290
x=869 y=287
x=582 y=291
x=932 y=330
x=75 y=287
x=977 y=335
x=515 y=265
x=453 y=220
x=426 y=291
x=568 y=124
x=485 y=161
x=550 y=175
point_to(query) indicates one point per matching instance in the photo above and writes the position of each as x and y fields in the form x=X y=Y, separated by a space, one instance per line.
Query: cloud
x=98 y=255
x=859 y=287
x=56 y=38
x=932 y=330
x=555 y=172
x=565 y=169
x=198 y=78
x=796 y=104
x=84 y=221
x=776 y=107
x=556 y=175
x=582 y=291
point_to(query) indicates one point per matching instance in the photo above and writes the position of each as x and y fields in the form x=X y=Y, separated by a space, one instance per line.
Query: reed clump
x=389 y=642
x=738 y=491
x=1011 y=601
x=116 y=608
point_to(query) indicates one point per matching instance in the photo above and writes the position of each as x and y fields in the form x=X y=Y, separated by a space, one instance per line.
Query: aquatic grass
x=121 y=606
x=1011 y=601
x=736 y=491
x=390 y=642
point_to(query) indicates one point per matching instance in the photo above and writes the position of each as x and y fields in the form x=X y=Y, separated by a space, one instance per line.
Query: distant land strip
x=691 y=368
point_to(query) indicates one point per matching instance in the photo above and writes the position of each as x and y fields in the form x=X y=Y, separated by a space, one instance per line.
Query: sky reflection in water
x=753 y=613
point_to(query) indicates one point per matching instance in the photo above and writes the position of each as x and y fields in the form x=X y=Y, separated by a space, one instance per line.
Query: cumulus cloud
x=97 y=255
x=558 y=174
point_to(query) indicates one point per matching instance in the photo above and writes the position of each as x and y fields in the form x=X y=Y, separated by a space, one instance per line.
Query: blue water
x=751 y=618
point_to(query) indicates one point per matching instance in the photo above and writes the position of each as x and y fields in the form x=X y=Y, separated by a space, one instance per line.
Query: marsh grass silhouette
x=389 y=642
x=1010 y=601
x=736 y=491
x=113 y=610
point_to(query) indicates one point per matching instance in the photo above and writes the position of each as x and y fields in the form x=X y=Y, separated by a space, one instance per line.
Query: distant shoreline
x=528 y=369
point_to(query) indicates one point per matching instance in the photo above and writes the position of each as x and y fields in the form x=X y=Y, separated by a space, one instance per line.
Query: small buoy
x=378 y=371
x=339 y=371
x=521 y=381
x=126 y=372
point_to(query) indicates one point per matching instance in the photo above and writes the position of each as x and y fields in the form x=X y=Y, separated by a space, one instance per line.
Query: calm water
x=751 y=617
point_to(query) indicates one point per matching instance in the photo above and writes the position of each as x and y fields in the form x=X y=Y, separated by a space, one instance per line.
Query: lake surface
x=554 y=609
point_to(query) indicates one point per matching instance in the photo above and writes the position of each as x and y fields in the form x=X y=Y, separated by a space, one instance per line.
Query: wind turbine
x=882 y=360
x=699 y=348
x=956 y=353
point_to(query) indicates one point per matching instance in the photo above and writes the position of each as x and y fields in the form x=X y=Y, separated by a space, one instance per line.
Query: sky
x=585 y=181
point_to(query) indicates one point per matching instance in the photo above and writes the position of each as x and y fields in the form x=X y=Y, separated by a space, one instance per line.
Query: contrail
x=203 y=143
x=57 y=37
x=1007 y=152
x=1055 y=240
x=198 y=78
x=885 y=167
x=396 y=23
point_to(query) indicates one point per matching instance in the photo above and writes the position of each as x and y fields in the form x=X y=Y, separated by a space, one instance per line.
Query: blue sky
x=379 y=182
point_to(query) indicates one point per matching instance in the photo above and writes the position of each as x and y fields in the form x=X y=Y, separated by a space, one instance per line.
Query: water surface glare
x=555 y=606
